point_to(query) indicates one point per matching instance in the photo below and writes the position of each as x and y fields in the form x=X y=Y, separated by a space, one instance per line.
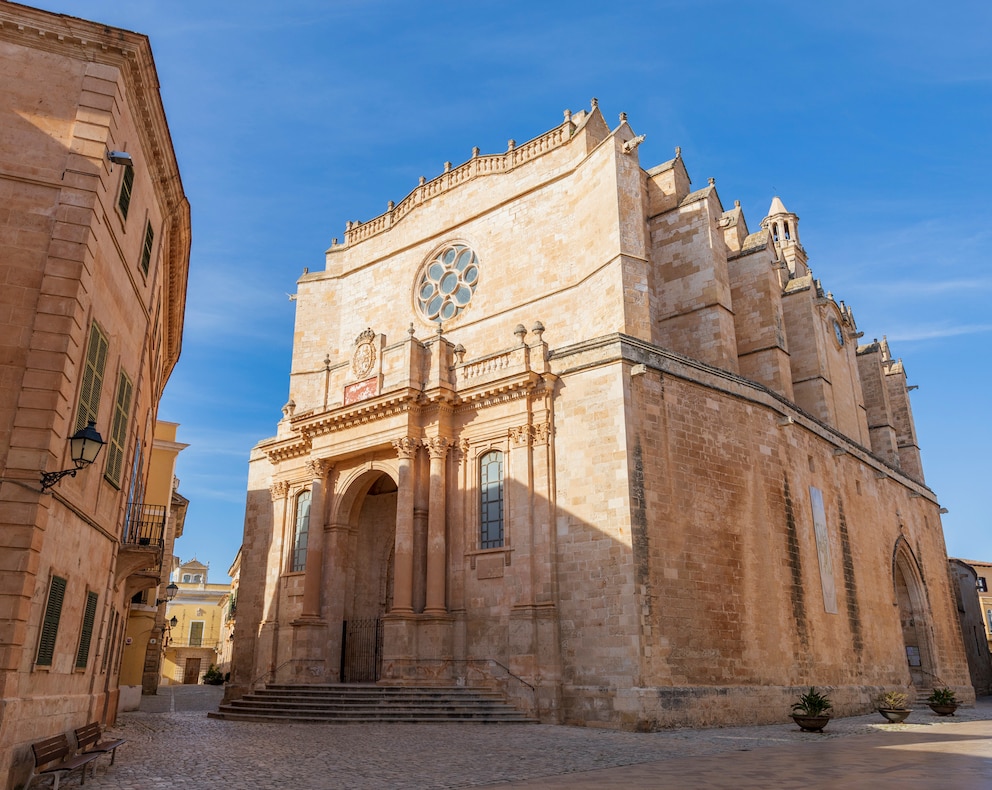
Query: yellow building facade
x=144 y=643
x=196 y=619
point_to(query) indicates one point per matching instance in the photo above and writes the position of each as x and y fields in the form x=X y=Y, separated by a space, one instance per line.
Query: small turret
x=783 y=226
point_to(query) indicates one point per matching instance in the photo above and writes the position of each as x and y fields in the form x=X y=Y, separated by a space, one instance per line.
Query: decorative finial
x=439 y=329
x=712 y=181
x=475 y=151
x=334 y=242
x=623 y=117
x=538 y=329
x=595 y=102
x=521 y=332
x=511 y=144
x=447 y=167
x=678 y=151
x=737 y=204
x=391 y=205
x=327 y=361
x=568 y=115
x=410 y=330
x=422 y=181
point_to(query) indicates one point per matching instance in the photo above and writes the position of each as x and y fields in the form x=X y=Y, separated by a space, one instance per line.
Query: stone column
x=436 y=548
x=406 y=448
x=318 y=468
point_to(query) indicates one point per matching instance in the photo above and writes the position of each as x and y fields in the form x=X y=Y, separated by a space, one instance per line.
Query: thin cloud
x=935 y=333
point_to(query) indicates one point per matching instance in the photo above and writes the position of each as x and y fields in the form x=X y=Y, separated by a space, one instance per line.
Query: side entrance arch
x=368 y=564
x=913 y=616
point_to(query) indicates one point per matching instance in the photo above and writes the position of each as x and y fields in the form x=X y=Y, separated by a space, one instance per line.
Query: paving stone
x=172 y=743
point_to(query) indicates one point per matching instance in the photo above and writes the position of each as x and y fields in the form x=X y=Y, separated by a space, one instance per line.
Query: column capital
x=520 y=435
x=319 y=468
x=437 y=446
x=406 y=446
x=542 y=432
x=278 y=490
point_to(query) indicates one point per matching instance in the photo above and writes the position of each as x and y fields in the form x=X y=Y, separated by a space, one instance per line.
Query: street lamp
x=170 y=594
x=84 y=446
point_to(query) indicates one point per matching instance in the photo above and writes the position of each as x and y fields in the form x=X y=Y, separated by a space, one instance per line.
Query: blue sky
x=872 y=121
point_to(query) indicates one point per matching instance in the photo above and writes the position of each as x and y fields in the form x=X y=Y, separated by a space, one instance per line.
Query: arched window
x=300 y=534
x=491 y=500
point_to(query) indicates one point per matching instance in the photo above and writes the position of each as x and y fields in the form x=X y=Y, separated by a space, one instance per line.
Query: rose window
x=448 y=281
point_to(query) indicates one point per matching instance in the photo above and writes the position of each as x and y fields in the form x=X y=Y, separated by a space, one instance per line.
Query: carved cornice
x=313 y=424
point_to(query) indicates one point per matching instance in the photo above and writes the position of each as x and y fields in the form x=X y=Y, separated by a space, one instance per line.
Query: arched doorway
x=912 y=602
x=369 y=592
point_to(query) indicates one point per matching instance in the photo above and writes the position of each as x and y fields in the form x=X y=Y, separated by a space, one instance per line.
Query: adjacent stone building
x=94 y=253
x=975 y=614
x=564 y=425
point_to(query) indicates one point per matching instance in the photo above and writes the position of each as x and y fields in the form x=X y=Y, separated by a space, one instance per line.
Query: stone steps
x=368 y=703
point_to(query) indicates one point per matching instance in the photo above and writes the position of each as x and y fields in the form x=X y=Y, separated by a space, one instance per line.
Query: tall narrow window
x=127 y=184
x=196 y=633
x=118 y=431
x=300 y=533
x=491 y=500
x=50 y=625
x=86 y=632
x=146 y=250
x=96 y=362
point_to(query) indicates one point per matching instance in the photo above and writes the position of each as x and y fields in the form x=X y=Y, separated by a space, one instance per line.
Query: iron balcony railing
x=144 y=525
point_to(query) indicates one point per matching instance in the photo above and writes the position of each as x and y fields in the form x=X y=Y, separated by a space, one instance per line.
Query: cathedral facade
x=561 y=425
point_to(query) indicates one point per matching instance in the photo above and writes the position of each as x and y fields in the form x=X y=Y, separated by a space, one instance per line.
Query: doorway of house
x=370 y=593
x=191 y=672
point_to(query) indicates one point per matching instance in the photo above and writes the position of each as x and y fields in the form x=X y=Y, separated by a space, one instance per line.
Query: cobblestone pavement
x=171 y=743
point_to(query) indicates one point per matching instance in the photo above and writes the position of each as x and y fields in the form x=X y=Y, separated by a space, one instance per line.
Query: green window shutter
x=50 y=625
x=86 y=634
x=96 y=362
x=127 y=183
x=146 y=251
x=196 y=634
x=118 y=432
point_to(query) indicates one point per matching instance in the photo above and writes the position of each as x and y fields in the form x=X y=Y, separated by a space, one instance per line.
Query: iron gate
x=361 y=650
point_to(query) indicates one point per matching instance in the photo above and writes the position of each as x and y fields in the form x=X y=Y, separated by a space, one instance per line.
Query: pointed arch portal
x=911 y=600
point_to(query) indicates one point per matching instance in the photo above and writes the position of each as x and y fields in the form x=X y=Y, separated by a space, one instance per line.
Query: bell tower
x=783 y=226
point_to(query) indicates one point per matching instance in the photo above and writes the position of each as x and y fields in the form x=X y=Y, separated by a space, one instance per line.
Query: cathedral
x=566 y=427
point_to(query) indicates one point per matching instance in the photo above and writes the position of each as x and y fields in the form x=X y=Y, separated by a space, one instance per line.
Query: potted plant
x=812 y=712
x=943 y=702
x=892 y=706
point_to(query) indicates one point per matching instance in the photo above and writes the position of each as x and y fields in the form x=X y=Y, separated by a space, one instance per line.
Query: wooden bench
x=54 y=756
x=88 y=741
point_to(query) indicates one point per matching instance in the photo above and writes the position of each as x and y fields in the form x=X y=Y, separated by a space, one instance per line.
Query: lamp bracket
x=48 y=479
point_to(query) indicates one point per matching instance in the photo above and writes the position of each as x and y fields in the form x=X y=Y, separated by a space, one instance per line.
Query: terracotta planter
x=895 y=715
x=810 y=723
x=943 y=709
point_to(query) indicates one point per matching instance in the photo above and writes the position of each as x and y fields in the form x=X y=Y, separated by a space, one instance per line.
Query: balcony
x=144 y=524
x=142 y=544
